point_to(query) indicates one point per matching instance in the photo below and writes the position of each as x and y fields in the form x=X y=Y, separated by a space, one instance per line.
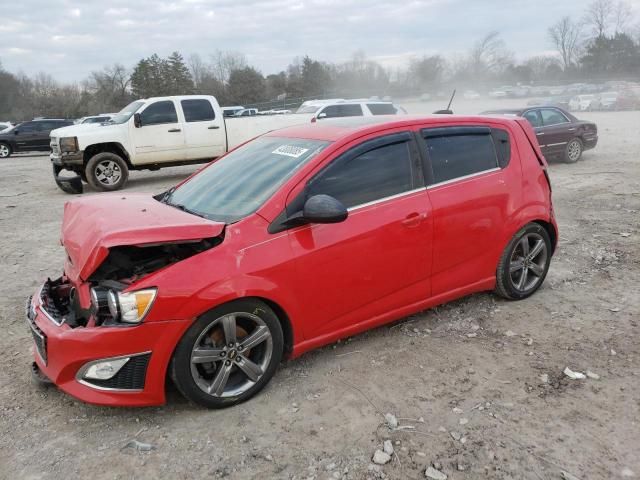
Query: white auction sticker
x=290 y=151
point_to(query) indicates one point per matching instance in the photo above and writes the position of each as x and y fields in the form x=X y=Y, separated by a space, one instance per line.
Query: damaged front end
x=110 y=302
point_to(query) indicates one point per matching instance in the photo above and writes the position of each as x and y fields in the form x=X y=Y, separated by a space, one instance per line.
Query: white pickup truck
x=151 y=134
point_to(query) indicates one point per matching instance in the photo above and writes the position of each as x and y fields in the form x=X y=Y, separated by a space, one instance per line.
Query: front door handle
x=214 y=127
x=541 y=133
x=173 y=130
x=414 y=219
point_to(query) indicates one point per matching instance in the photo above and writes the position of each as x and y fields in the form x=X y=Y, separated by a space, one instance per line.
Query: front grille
x=130 y=377
x=39 y=338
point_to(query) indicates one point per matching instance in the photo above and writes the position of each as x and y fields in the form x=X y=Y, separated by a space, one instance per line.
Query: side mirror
x=324 y=209
x=137 y=120
x=322 y=115
x=16 y=131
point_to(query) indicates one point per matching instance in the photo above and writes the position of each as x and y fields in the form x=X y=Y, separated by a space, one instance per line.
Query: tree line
x=598 y=45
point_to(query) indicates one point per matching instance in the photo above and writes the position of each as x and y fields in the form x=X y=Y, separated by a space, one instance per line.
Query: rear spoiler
x=533 y=141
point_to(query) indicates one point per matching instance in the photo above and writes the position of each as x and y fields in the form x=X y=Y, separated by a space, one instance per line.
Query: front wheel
x=229 y=354
x=524 y=263
x=106 y=171
x=573 y=151
x=5 y=150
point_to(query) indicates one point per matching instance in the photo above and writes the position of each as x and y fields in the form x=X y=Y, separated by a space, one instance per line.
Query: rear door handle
x=214 y=127
x=414 y=219
x=173 y=130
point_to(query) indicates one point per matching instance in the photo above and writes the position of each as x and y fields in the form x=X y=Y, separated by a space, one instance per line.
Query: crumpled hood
x=93 y=224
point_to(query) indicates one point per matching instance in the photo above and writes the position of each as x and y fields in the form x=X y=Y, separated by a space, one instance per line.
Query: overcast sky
x=69 y=38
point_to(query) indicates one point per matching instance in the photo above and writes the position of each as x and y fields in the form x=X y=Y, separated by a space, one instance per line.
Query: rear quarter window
x=459 y=152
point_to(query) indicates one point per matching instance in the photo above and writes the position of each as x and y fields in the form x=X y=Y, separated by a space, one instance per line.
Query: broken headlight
x=130 y=307
x=69 y=144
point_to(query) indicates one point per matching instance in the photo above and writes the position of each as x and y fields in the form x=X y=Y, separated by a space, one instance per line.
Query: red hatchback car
x=294 y=240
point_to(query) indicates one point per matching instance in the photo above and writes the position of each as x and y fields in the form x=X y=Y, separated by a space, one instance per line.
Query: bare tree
x=223 y=63
x=540 y=66
x=489 y=55
x=598 y=16
x=565 y=35
x=622 y=16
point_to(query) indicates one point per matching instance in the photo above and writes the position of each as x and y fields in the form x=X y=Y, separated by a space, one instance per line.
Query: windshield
x=126 y=113
x=240 y=182
x=308 y=109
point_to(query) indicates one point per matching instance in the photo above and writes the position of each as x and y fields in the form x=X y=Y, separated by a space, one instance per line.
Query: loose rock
x=391 y=420
x=574 y=375
x=388 y=447
x=592 y=375
x=381 y=458
x=433 y=474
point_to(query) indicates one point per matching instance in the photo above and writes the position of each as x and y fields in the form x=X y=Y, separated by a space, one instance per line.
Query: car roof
x=334 y=129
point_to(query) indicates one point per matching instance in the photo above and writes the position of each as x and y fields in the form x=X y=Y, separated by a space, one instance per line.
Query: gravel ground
x=476 y=386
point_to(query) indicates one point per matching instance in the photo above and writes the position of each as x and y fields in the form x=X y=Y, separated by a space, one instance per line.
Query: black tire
x=107 y=171
x=510 y=283
x=5 y=150
x=573 y=150
x=183 y=371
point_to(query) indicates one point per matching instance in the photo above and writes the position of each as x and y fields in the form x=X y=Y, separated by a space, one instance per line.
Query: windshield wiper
x=186 y=209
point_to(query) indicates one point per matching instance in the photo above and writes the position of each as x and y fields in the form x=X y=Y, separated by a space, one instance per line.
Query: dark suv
x=30 y=136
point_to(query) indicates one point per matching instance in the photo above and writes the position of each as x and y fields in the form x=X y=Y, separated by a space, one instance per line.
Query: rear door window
x=459 y=152
x=551 y=116
x=533 y=117
x=357 y=178
x=160 y=112
x=347 y=110
x=381 y=109
x=197 y=110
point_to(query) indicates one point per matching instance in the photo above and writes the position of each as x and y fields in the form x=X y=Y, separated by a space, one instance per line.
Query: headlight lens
x=69 y=144
x=130 y=307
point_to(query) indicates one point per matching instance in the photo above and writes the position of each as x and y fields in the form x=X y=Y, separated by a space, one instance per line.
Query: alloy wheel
x=528 y=262
x=4 y=151
x=574 y=150
x=231 y=354
x=108 y=172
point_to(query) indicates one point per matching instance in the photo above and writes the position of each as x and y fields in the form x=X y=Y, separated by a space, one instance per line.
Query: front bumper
x=67 y=160
x=61 y=352
x=590 y=141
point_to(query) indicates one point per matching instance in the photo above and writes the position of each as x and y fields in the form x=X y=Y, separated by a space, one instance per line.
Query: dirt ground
x=476 y=385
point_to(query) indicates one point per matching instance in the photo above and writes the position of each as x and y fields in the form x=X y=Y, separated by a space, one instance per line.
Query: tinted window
x=382 y=108
x=52 y=125
x=159 y=112
x=240 y=182
x=534 y=118
x=28 y=127
x=197 y=110
x=348 y=110
x=552 y=117
x=454 y=156
x=370 y=176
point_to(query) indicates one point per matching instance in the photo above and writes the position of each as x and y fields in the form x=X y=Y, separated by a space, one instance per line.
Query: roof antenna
x=448 y=111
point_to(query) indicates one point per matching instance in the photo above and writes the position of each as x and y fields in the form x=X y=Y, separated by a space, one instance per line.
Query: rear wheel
x=107 y=171
x=229 y=354
x=573 y=151
x=524 y=263
x=5 y=150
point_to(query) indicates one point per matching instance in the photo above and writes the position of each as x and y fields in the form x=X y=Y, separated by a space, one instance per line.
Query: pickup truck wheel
x=228 y=354
x=5 y=150
x=107 y=172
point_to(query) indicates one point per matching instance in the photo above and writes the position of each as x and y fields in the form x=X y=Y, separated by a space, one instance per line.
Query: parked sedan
x=30 y=136
x=559 y=133
x=294 y=240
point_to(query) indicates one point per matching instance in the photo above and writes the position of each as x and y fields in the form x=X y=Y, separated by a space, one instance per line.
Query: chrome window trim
x=85 y=367
x=384 y=199
x=555 y=144
x=464 y=177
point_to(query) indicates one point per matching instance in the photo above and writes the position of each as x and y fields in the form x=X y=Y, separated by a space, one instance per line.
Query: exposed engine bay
x=123 y=266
